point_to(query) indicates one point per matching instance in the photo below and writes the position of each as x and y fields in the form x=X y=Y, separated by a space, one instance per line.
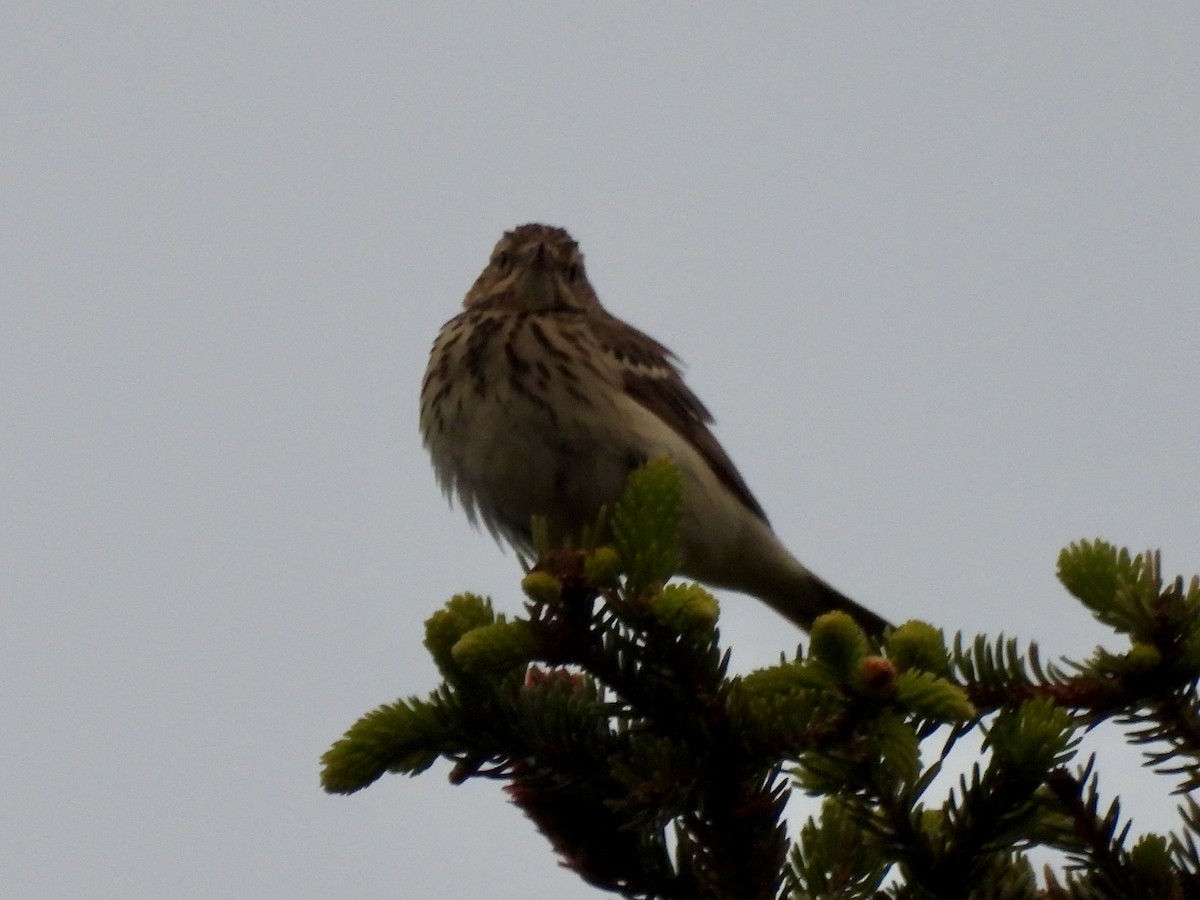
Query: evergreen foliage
x=609 y=712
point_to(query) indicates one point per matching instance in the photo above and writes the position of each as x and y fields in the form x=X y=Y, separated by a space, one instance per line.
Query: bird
x=539 y=402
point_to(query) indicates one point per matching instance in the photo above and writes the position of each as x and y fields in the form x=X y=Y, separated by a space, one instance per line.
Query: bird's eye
x=503 y=259
x=574 y=272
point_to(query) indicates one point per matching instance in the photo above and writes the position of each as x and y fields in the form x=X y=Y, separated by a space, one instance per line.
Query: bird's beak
x=538 y=283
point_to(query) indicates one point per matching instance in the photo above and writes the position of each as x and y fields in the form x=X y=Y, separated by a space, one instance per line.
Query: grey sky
x=933 y=267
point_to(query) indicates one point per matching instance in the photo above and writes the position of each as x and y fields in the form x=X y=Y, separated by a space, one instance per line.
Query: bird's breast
x=519 y=421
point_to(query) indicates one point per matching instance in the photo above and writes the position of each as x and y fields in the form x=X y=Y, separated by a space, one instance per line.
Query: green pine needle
x=645 y=523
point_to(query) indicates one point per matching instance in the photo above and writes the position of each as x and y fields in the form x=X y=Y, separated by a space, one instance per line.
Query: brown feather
x=652 y=378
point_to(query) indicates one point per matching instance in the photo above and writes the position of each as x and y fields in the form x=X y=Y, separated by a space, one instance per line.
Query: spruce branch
x=608 y=710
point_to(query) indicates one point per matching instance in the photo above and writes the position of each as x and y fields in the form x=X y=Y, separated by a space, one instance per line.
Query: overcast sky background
x=934 y=268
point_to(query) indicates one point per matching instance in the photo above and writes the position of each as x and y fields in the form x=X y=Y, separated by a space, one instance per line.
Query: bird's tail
x=807 y=596
x=755 y=562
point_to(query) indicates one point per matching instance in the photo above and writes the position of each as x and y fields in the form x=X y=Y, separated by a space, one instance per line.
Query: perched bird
x=539 y=402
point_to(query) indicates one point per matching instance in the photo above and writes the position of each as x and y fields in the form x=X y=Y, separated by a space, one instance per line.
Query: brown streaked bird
x=539 y=402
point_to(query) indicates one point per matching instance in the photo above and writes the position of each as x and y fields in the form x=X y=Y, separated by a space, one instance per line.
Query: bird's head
x=534 y=268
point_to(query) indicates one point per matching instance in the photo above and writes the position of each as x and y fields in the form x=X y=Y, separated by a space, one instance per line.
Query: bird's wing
x=651 y=376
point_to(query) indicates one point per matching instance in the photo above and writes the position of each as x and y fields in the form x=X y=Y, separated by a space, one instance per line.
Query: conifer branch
x=608 y=710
